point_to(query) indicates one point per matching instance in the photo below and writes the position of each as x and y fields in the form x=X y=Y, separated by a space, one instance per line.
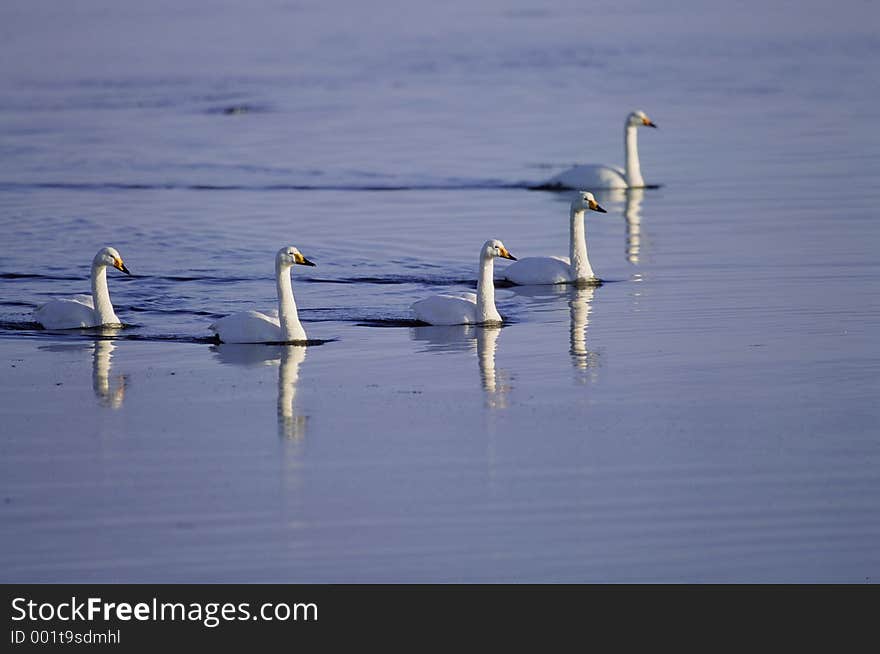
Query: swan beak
x=648 y=123
x=507 y=255
x=117 y=263
x=595 y=207
x=301 y=260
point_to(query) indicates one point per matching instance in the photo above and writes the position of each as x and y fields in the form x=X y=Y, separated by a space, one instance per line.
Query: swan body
x=561 y=270
x=467 y=308
x=82 y=311
x=598 y=176
x=594 y=176
x=256 y=327
x=253 y=327
x=540 y=270
x=450 y=309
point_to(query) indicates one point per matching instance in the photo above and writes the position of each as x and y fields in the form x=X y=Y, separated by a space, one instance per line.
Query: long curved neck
x=101 y=295
x=486 y=311
x=291 y=329
x=633 y=169
x=577 y=244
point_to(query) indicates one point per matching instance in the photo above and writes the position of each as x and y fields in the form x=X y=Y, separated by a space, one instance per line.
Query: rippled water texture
x=708 y=413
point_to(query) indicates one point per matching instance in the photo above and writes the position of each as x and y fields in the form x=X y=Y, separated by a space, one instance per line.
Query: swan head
x=584 y=200
x=110 y=257
x=289 y=255
x=639 y=118
x=495 y=248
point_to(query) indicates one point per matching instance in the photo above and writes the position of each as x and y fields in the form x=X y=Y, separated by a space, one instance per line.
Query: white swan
x=82 y=310
x=560 y=270
x=467 y=308
x=598 y=176
x=255 y=327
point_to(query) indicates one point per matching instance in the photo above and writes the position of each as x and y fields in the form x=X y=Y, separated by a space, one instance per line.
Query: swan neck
x=101 y=295
x=580 y=262
x=486 y=311
x=291 y=329
x=633 y=169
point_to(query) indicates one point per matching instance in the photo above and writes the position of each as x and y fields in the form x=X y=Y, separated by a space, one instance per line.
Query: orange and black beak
x=648 y=123
x=594 y=206
x=301 y=260
x=506 y=255
x=117 y=263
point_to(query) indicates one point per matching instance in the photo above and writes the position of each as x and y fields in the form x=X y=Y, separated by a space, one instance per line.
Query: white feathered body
x=76 y=312
x=253 y=327
x=557 y=269
x=448 y=309
x=593 y=177
x=590 y=177
x=279 y=326
x=539 y=270
x=82 y=311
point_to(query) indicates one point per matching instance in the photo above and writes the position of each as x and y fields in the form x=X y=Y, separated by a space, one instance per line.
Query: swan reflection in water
x=469 y=338
x=291 y=423
x=632 y=213
x=580 y=305
x=109 y=391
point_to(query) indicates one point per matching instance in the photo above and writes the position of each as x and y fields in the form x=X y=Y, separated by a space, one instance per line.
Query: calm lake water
x=709 y=413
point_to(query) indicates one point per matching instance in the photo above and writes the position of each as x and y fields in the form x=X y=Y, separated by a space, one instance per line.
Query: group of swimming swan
x=284 y=326
x=84 y=311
